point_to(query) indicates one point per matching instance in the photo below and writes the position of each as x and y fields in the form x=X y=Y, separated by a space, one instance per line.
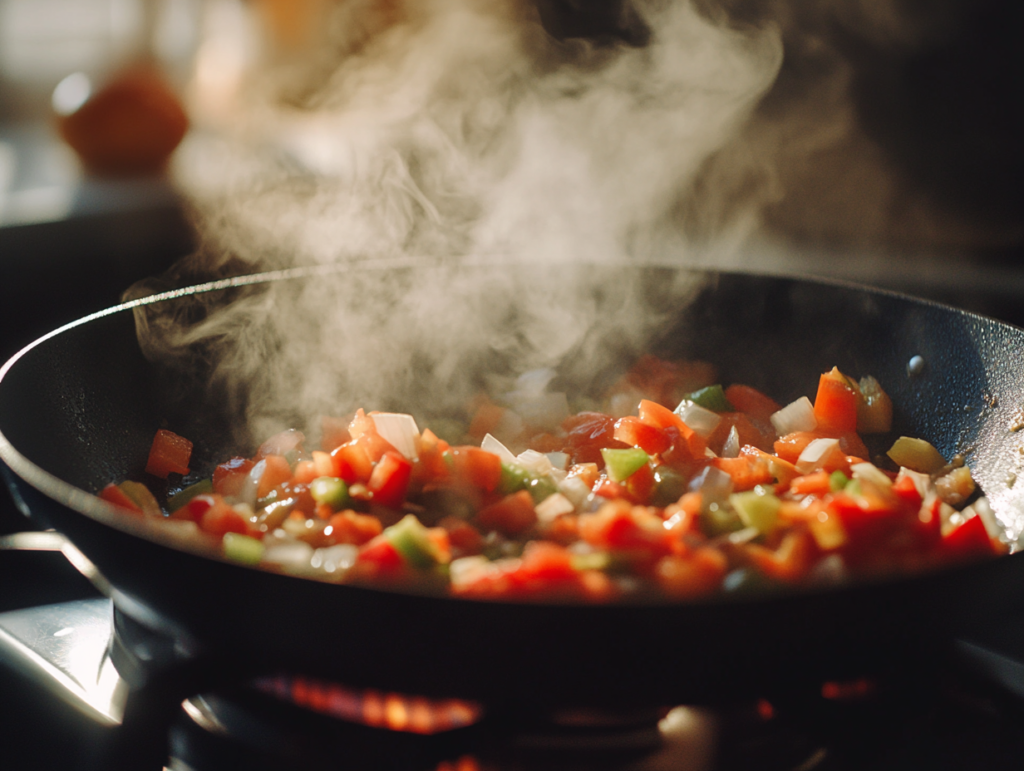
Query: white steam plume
x=455 y=130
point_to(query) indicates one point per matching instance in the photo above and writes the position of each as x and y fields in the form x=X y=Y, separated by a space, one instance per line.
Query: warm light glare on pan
x=377 y=709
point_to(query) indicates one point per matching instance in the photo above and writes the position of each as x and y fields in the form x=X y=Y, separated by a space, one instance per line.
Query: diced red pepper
x=654 y=414
x=352 y=462
x=169 y=454
x=276 y=472
x=835 y=406
x=633 y=431
x=969 y=540
x=389 y=481
x=476 y=467
x=220 y=518
x=512 y=515
x=381 y=554
x=587 y=433
x=747 y=471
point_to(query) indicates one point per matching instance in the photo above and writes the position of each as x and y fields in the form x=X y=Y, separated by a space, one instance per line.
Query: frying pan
x=79 y=407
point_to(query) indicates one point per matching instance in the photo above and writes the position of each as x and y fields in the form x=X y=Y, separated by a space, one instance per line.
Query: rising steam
x=457 y=132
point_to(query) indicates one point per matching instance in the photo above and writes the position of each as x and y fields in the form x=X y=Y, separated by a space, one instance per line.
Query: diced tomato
x=587 y=433
x=462 y=535
x=220 y=518
x=229 y=476
x=169 y=454
x=588 y=472
x=197 y=507
x=817 y=483
x=907 y=491
x=512 y=515
x=299 y=492
x=430 y=465
x=751 y=401
x=389 y=481
x=790 y=561
x=691 y=576
x=969 y=540
x=113 y=494
x=276 y=472
x=640 y=483
x=791 y=445
x=381 y=555
x=352 y=463
x=632 y=431
x=352 y=527
x=306 y=472
x=476 y=467
x=656 y=415
x=835 y=406
x=606 y=488
x=542 y=561
x=622 y=527
x=746 y=471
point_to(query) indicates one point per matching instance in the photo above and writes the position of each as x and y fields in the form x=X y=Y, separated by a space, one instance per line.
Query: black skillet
x=79 y=408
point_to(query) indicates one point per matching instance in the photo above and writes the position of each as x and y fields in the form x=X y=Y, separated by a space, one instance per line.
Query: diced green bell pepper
x=242 y=548
x=515 y=478
x=718 y=519
x=330 y=490
x=712 y=398
x=183 y=496
x=410 y=539
x=622 y=464
x=757 y=508
x=837 y=480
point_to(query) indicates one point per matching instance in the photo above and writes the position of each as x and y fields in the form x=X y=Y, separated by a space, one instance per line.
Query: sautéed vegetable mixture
x=673 y=487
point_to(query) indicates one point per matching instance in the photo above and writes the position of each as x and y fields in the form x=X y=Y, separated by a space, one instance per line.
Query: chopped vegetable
x=169 y=454
x=726 y=493
x=916 y=455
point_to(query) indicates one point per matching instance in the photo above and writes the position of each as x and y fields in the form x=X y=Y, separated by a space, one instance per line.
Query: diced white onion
x=247 y=490
x=795 y=416
x=558 y=460
x=535 y=462
x=493 y=445
x=701 y=420
x=467 y=569
x=330 y=559
x=922 y=482
x=576 y=490
x=810 y=459
x=553 y=506
x=713 y=484
x=731 y=448
x=290 y=553
x=400 y=430
x=871 y=473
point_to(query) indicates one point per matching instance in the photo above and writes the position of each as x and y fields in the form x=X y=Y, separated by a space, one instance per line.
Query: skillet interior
x=79 y=409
